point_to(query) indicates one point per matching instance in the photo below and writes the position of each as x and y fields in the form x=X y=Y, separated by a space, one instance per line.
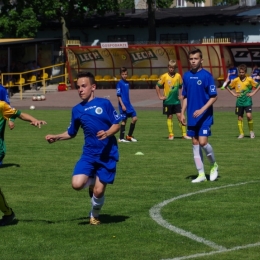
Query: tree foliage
x=19 y=18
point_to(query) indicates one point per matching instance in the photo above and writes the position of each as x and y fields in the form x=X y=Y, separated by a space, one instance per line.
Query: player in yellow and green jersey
x=171 y=82
x=7 y=112
x=243 y=87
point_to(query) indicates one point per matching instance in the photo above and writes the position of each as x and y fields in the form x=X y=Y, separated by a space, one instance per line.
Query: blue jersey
x=122 y=90
x=255 y=73
x=4 y=95
x=233 y=73
x=93 y=116
x=198 y=88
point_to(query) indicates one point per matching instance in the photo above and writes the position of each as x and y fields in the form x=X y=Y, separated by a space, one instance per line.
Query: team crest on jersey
x=212 y=88
x=199 y=82
x=117 y=117
x=99 y=110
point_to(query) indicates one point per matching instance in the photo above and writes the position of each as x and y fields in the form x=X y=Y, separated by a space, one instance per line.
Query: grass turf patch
x=52 y=217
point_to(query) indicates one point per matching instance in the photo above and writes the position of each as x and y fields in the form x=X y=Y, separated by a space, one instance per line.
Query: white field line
x=156 y=216
x=214 y=252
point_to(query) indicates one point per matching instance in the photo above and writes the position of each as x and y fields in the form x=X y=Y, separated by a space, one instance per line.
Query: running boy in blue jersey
x=125 y=107
x=199 y=94
x=99 y=121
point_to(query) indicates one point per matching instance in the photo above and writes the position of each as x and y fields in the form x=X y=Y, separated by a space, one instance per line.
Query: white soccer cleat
x=214 y=172
x=200 y=178
x=186 y=137
x=240 y=136
x=171 y=137
x=252 y=134
x=123 y=141
x=131 y=138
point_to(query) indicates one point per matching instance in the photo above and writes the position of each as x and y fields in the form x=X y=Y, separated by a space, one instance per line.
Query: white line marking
x=214 y=252
x=156 y=216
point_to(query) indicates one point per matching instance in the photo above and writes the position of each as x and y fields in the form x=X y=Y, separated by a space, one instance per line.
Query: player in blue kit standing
x=255 y=75
x=232 y=74
x=125 y=107
x=100 y=122
x=199 y=94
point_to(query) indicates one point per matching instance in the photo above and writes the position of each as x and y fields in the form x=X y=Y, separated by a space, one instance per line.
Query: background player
x=243 y=86
x=199 y=95
x=125 y=107
x=232 y=74
x=171 y=82
x=255 y=75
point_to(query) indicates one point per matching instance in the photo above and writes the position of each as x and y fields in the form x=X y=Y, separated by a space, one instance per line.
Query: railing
x=216 y=40
x=43 y=75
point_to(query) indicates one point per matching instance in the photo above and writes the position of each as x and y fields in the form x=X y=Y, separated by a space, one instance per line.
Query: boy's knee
x=77 y=185
x=98 y=192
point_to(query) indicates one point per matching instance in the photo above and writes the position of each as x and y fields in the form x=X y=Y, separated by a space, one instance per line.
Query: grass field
x=152 y=211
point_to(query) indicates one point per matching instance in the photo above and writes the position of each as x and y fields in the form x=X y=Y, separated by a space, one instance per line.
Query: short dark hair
x=194 y=51
x=85 y=74
x=242 y=67
x=123 y=69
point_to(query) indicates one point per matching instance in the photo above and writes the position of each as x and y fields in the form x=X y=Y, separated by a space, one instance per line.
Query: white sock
x=197 y=158
x=224 y=84
x=209 y=153
x=97 y=204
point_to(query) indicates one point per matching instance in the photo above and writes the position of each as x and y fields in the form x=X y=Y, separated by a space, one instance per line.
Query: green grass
x=52 y=217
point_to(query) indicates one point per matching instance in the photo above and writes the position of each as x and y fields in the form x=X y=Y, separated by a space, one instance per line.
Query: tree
x=19 y=18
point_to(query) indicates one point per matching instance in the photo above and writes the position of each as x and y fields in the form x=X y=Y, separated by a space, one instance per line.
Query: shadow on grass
x=175 y=137
x=9 y=165
x=39 y=220
x=107 y=219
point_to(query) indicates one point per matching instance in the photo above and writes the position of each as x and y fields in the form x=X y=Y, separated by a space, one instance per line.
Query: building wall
x=195 y=32
x=141 y=4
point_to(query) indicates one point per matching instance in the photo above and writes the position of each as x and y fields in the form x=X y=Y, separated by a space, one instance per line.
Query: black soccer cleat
x=7 y=220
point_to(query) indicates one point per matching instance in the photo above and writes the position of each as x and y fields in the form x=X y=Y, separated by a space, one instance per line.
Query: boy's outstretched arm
x=34 y=121
x=59 y=137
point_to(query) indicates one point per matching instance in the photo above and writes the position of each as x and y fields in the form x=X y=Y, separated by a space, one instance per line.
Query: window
x=121 y=38
x=181 y=3
x=233 y=36
x=174 y=38
x=202 y=4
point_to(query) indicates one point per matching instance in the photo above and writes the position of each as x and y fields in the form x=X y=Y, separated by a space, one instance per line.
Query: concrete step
x=33 y=92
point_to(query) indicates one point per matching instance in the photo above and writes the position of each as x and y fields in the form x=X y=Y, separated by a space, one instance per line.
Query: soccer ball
x=43 y=97
x=34 y=98
x=32 y=107
x=39 y=98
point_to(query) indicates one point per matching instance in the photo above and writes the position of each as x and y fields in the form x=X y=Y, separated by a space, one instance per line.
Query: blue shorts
x=90 y=166
x=125 y=115
x=203 y=130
